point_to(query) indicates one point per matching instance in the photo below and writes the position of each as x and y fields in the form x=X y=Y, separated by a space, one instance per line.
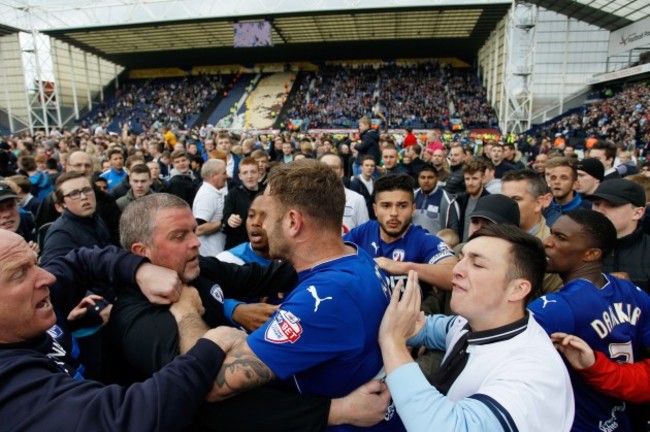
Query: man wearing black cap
x=590 y=174
x=12 y=219
x=491 y=209
x=623 y=202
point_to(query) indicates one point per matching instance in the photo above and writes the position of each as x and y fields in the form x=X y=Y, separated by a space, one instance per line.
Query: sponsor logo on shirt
x=55 y=332
x=217 y=293
x=318 y=300
x=284 y=328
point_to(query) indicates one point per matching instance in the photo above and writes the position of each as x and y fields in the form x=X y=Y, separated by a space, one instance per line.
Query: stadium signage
x=633 y=36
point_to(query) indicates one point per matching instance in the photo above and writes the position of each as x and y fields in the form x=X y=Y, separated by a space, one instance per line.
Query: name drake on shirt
x=620 y=313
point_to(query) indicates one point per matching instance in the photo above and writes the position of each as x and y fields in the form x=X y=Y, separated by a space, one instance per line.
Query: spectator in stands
x=455 y=180
x=606 y=153
x=590 y=173
x=368 y=144
x=562 y=178
x=28 y=202
x=238 y=201
x=409 y=139
x=41 y=183
x=116 y=173
x=364 y=183
x=262 y=159
x=140 y=182
x=182 y=182
x=497 y=157
x=439 y=161
x=624 y=202
x=416 y=163
x=79 y=225
x=224 y=144
x=510 y=156
x=52 y=168
x=14 y=220
x=209 y=206
x=539 y=165
x=169 y=138
x=123 y=187
x=286 y=155
x=80 y=161
x=355 y=212
x=532 y=195
x=455 y=214
x=428 y=199
x=627 y=166
x=391 y=161
x=490 y=183
x=157 y=183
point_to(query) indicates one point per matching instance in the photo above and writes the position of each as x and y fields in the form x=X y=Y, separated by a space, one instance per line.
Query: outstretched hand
x=577 y=352
x=403 y=317
x=366 y=406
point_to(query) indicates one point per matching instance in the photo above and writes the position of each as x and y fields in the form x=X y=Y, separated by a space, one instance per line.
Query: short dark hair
x=528 y=256
x=113 y=151
x=610 y=149
x=368 y=157
x=537 y=186
x=601 y=233
x=393 y=182
x=430 y=168
x=51 y=163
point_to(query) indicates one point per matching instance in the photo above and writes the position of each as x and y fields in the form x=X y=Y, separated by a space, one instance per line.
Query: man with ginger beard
x=455 y=215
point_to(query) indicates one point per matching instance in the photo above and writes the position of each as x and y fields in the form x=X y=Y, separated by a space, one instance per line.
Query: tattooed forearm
x=241 y=370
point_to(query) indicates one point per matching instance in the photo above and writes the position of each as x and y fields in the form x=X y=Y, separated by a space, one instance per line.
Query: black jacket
x=238 y=201
x=369 y=145
x=106 y=209
x=183 y=187
x=455 y=180
x=631 y=256
x=360 y=188
x=71 y=232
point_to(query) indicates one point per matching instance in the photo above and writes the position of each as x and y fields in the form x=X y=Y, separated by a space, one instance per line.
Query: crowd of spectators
x=425 y=95
x=618 y=115
x=143 y=104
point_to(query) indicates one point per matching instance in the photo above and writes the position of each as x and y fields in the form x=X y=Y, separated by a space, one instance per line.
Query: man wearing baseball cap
x=492 y=209
x=623 y=202
x=590 y=174
x=12 y=219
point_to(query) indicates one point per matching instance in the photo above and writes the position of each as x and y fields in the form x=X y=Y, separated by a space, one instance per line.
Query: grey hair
x=138 y=220
x=212 y=166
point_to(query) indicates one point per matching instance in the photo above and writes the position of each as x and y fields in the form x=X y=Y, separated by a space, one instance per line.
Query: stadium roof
x=6 y=30
x=446 y=31
x=154 y=33
x=608 y=14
